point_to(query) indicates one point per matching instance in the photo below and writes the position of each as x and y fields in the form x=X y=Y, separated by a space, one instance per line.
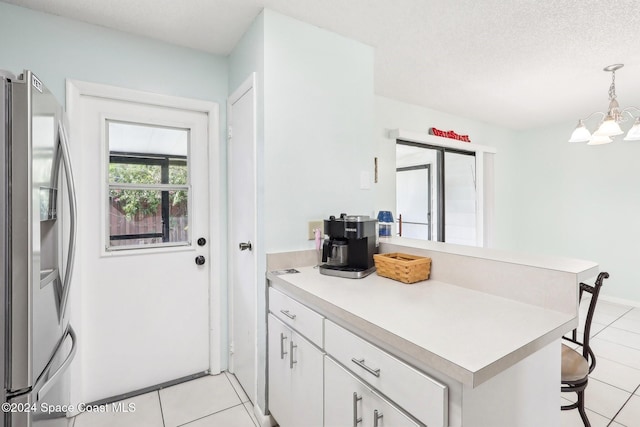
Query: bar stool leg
x=583 y=413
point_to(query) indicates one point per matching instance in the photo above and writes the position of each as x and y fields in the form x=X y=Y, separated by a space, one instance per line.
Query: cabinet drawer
x=350 y=402
x=421 y=396
x=304 y=320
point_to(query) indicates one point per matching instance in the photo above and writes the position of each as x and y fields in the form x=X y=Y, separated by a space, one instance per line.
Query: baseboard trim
x=263 y=420
x=622 y=301
x=146 y=390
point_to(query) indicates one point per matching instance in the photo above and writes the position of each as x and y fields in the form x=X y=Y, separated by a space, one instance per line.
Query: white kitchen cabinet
x=350 y=402
x=279 y=376
x=295 y=377
x=422 y=396
x=302 y=393
x=302 y=319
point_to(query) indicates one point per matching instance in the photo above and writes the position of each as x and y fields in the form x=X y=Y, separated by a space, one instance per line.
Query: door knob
x=244 y=246
x=200 y=260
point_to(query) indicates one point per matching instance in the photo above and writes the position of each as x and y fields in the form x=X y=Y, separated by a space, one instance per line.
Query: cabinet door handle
x=376 y=417
x=289 y=315
x=375 y=372
x=282 y=352
x=356 y=419
x=291 y=347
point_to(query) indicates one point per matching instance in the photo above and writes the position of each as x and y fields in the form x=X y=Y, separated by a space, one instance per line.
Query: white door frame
x=247 y=85
x=76 y=89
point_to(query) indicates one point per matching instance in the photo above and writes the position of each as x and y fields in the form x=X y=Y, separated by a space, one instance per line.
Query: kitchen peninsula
x=475 y=345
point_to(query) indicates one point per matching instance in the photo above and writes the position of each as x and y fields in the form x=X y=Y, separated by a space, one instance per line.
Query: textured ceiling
x=518 y=63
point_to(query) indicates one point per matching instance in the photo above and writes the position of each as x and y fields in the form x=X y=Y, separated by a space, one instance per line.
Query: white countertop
x=468 y=335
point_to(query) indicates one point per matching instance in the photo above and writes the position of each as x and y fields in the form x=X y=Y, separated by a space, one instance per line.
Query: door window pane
x=147 y=139
x=135 y=217
x=177 y=174
x=131 y=173
x=148 y=186
x=460 y=198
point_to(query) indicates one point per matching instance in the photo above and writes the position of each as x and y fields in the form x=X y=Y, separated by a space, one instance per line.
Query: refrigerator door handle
x=63 y=367
x=73 y=211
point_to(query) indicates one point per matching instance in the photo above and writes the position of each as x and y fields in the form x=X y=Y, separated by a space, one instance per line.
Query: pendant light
x=610 y=125
x=634 y=132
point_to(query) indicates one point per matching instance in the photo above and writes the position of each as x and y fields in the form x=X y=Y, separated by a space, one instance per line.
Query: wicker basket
x=403 y=267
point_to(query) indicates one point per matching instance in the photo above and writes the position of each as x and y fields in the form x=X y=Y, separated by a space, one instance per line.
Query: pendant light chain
x=612 y=88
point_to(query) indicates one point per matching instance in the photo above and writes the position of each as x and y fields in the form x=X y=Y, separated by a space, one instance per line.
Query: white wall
x=581 y=201
x=57 y=48
x=318 y=129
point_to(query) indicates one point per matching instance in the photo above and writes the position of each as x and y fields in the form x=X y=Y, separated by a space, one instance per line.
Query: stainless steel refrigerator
x=37 y=238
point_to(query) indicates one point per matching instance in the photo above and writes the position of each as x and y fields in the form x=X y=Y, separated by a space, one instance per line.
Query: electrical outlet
x=312 y=226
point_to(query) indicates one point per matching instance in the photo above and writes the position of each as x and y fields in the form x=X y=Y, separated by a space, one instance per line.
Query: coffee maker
x=349 y=245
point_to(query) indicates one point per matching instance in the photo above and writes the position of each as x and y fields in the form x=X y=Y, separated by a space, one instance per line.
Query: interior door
x=143 y=193
x=242 y=237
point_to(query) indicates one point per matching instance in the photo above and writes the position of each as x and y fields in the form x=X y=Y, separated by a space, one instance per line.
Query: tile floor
x=212 y=401
x=612 y=397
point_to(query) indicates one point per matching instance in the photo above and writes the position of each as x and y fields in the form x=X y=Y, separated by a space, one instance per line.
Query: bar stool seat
x=574 y=366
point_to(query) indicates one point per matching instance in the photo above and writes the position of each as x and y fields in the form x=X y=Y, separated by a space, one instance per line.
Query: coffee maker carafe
x=349 y=245
x=335 y=252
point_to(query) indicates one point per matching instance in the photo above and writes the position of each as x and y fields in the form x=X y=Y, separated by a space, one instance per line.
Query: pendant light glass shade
x=580 y=133
x=599 y=140
x=608 y=127
x=634 y=132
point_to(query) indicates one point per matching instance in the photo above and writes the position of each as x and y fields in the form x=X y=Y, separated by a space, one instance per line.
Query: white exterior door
x=145 y=240
x=242 y=230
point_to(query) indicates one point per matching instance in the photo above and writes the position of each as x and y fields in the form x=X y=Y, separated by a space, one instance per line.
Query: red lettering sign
x=449 y=134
